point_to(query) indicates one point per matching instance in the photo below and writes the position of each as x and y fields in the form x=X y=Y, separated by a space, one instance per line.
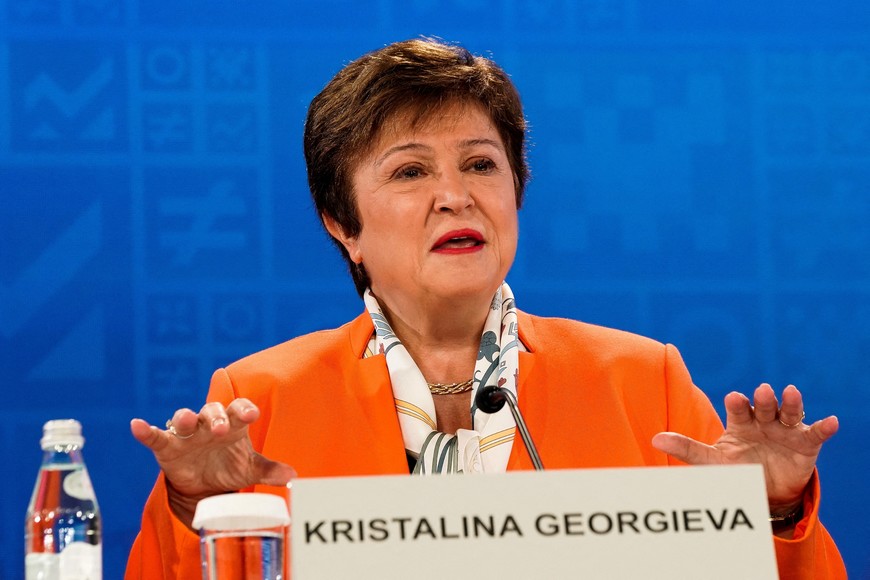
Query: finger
x=824 y=429
x=148 y=435
x=213 y=418
x=184 y=421
x=792 y=410
x=272 y=472
x=766 y=405
x=242 y=412
x=738 y=411
x=686 y=449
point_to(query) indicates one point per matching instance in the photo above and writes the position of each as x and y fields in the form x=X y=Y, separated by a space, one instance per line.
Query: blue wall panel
x=701 y=175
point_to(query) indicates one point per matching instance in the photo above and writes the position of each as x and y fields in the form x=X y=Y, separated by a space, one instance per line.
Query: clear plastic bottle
x=62 y=532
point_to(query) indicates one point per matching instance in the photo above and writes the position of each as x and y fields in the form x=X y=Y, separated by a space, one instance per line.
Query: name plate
x=670 y=523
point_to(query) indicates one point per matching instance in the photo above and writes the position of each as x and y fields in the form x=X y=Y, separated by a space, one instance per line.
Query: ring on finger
x=795 y=424
x=171 y=428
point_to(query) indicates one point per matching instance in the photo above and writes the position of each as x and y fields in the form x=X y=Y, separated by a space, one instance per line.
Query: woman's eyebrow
x=415 y=146
x=468 y=143
x=398 y=148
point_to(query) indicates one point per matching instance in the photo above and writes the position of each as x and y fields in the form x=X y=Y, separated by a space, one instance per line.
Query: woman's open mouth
x=459 y=241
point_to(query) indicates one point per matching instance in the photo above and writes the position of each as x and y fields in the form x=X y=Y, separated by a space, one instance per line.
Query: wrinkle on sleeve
x=165 y=548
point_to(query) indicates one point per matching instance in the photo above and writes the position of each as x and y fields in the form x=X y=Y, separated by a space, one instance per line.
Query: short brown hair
x=419 y=76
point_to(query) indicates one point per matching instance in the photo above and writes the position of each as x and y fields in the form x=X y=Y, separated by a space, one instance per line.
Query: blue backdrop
x=701 y=175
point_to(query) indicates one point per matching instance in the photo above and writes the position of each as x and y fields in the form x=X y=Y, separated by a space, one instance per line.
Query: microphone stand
x=491 y=399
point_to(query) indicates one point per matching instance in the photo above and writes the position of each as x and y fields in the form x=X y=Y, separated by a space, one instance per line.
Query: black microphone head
x=490 y=399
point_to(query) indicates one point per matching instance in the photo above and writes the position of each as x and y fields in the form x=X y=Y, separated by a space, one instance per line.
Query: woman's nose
x=452 y=193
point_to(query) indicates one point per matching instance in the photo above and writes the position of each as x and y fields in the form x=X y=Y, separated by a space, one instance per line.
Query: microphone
x=491 y=399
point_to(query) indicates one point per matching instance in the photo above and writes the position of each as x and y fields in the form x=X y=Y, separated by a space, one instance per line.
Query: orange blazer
x=592 y=397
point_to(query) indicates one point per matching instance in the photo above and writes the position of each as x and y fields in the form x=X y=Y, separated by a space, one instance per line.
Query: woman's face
x=438 y=208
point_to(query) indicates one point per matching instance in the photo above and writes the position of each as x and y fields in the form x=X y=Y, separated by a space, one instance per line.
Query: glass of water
x=242 y=536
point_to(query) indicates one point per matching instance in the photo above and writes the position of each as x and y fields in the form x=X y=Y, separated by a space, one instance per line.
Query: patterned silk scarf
x=487 y=447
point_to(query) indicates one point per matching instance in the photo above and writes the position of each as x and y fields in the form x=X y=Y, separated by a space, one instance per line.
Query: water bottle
x=62 y=539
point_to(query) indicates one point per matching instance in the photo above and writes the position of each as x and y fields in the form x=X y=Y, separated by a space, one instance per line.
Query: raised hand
x=207 y=453
x=766 y=433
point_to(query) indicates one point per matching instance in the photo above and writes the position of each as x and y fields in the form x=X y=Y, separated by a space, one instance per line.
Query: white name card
x=669 y=523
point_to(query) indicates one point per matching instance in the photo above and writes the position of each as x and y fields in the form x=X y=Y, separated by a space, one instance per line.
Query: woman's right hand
x=209 y=453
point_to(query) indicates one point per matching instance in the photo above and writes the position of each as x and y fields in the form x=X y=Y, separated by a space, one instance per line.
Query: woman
x=416 y=162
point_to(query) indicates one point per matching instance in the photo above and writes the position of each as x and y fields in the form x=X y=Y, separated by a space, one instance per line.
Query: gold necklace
x=450 y=388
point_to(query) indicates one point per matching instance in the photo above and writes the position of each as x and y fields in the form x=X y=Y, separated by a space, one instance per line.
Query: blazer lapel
x=371 y=388
x=519 y=458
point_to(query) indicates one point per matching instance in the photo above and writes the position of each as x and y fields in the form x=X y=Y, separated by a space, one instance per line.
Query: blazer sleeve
x=165 y=548
x=812 y=553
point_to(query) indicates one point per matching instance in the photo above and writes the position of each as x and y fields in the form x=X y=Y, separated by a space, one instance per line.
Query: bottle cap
x=241 y=511
x=62 y=432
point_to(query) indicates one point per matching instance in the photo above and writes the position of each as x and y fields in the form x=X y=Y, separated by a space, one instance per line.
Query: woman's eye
x=411 y=172
x=482 y=165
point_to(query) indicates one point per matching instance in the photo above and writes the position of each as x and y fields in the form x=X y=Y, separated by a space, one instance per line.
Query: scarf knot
x=486 y=447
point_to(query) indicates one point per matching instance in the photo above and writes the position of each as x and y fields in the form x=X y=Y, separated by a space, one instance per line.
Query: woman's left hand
x=766 y=433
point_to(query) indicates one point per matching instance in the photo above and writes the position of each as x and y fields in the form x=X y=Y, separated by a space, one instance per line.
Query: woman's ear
x=350 y=243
